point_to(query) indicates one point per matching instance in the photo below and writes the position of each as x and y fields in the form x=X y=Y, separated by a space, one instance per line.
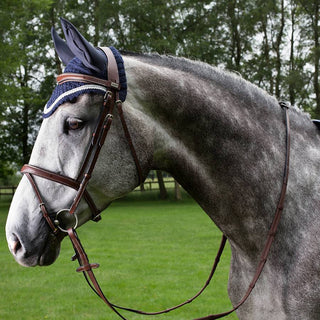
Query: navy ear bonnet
x=69 y=90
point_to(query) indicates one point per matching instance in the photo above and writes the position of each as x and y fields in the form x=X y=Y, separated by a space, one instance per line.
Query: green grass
x=152 y=254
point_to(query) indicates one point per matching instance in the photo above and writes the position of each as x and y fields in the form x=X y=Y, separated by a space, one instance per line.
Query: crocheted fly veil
x=81 y=57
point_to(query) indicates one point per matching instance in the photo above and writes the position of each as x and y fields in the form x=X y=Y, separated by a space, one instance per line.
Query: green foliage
x=5 y=173
x=22 y=56
x=273 y=43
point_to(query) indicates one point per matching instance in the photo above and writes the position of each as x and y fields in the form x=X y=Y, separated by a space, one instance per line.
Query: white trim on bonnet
x=85 y=87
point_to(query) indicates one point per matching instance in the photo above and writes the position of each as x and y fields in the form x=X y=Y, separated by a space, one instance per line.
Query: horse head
x=66 y=134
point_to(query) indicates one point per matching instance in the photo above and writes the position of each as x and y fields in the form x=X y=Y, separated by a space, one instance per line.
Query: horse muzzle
x=31 y=252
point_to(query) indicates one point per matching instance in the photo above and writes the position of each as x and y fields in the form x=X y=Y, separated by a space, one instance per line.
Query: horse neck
x=223 y=140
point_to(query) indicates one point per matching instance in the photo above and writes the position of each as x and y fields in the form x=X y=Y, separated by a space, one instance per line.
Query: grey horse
x=223 y=140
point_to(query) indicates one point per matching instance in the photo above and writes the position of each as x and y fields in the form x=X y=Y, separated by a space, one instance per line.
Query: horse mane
x=233 y=81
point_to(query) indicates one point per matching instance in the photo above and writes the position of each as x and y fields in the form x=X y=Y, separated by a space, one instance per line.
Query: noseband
x=111 y=99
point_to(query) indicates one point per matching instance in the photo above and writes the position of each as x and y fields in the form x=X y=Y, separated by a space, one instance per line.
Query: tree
x=247 y=36
x=311 y=10
x=163 y=191
x=297 y=77
x=177 y=191
x=277 y=48
x=22 y=94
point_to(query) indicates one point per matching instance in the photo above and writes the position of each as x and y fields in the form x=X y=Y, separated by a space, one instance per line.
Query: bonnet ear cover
x=82 y=58
x=91 y=57
x=61 y=47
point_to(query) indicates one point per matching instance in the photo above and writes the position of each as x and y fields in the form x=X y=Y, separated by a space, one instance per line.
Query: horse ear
x=61 y=47
x=91 y=57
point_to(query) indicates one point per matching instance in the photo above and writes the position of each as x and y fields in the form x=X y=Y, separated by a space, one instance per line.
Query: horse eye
x=74 y=124
x=73 y=100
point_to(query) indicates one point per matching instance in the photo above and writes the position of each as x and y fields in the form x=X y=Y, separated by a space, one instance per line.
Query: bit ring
x=57 y=222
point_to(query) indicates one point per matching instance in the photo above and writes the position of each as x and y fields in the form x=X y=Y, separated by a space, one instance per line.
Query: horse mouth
x=50 y=252
x=30 y=257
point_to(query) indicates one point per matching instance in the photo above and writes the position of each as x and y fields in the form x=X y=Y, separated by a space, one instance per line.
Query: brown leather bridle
x=80 y=184
x=110 y=100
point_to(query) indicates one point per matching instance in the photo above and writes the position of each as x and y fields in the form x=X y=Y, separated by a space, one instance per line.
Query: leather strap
x=76 y=77
x=86 y=268
x=129 y=140
x=30 y=170
x=98 y=139
x=113 y=74
x=45 y=214
x=46 y=174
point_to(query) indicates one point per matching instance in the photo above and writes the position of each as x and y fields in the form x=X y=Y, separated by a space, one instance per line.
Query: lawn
x=152 y=254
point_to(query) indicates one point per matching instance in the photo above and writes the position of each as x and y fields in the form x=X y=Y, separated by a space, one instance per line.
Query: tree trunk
x=25 y=131
x=235 y=48
x=163 y=191
x=316 y=56
x=52 y=22
x=292 y=90
x=266 y=55
x=96 y=22
x=142 y=187
x=25 y=115
x=278 y=51
x=177 y=191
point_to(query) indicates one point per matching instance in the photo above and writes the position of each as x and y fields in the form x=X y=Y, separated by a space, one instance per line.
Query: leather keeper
x=88 y=267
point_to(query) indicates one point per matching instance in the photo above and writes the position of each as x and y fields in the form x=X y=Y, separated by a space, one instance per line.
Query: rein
x=110 y=101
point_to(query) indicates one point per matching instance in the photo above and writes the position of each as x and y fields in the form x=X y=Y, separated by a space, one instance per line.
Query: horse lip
x=19 y=251
x=50 y=252
x=25 y=257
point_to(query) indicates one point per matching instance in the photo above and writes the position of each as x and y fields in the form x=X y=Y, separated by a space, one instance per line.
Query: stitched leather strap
x=98 y=139
x=46 y=174
x=86 y=268
x=113 y=74
x=75 y=77
x=43 y=209
x=130 y=143
x=30 y=170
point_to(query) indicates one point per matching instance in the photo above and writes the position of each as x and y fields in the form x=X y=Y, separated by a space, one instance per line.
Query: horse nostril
x=15 y=244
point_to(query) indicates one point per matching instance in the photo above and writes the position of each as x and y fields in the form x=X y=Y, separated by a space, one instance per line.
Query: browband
x=113 y=75
x=76 y=77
